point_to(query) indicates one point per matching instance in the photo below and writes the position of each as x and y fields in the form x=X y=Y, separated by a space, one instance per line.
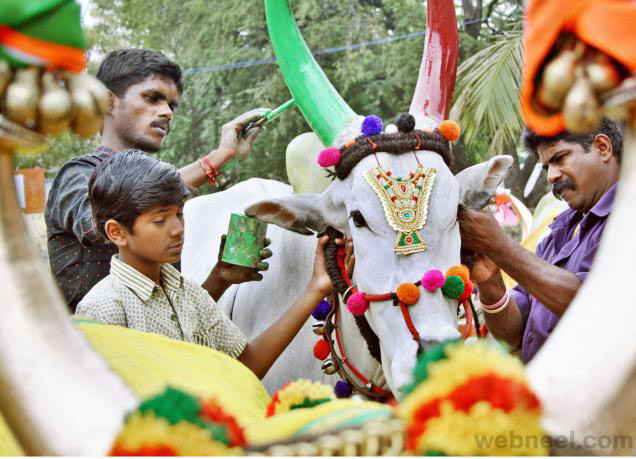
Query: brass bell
x=329 y=367
x=54 y=107
x=602 y=74
x=21 y=99
x=581 y=111
x=557 y=79
x=318 y=328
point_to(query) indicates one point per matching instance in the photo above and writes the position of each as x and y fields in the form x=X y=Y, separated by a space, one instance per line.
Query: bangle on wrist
x=498 y=306
x=210 y=171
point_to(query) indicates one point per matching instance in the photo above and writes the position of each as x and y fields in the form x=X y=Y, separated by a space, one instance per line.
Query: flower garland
x=461 y=394
x=302 y=393
x=177 y=424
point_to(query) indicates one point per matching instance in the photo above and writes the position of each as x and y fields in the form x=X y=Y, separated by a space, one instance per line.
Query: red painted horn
x=436 y=81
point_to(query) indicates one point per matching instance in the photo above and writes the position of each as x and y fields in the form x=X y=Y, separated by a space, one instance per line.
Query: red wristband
x=209 y=170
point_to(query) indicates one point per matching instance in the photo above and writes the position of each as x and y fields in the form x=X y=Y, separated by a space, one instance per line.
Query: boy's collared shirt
x=179 y=309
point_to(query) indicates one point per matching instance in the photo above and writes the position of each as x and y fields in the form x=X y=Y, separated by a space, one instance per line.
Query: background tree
x=205 y=37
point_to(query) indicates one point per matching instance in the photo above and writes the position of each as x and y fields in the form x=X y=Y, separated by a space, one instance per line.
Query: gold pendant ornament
x=405 y=204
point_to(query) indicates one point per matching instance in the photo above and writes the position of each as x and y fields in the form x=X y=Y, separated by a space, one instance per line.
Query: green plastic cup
x=244 y=241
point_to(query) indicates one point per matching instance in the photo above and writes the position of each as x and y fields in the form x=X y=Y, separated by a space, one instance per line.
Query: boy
x=137 y=204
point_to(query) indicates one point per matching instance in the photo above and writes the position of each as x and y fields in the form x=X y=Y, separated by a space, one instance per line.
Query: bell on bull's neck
x=318 y=328
x=329 y=367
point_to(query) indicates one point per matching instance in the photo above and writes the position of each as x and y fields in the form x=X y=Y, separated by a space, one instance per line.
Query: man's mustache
x=560 y=187
x=165 y=125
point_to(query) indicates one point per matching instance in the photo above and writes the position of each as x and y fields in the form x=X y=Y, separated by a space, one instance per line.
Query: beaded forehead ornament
x=404 y=200
x=405 y=204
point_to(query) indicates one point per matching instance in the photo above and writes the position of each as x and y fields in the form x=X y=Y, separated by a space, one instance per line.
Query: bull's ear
x=478 y=183
x=304 y=213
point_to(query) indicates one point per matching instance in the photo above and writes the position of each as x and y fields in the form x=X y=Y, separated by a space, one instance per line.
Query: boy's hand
x=320 y=280
x=233 y=274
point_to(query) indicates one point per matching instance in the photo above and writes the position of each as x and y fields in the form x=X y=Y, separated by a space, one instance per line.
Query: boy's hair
x=129 y=183
x=611 y=129
x=124 y=68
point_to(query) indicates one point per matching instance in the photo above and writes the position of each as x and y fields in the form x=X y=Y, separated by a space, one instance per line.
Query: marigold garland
x=176 y=424
x=464 y=393
x=302 y=393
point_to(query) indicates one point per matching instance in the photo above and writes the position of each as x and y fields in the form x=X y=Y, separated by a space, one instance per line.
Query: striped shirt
x=178 y=309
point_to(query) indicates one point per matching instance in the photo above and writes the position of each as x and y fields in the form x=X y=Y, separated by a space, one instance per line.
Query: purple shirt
x=574 y=254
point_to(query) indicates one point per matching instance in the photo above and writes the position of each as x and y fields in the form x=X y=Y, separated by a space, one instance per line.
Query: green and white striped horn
x=323 y=108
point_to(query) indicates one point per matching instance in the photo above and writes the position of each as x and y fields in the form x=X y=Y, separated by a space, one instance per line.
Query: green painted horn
x=323 y=108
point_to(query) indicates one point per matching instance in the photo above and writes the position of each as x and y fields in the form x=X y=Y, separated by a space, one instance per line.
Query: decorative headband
x=373 y=140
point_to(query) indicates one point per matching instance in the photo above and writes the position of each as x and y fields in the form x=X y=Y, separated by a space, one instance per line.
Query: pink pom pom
x=433 y=280
x=357 y=304
x=329 y=157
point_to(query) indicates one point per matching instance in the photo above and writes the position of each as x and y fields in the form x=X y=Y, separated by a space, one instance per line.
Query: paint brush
x=268 y=117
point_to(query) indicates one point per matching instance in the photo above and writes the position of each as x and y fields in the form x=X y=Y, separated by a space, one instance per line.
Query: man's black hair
x=610 y=128
x=129 y=183
x=124 y=68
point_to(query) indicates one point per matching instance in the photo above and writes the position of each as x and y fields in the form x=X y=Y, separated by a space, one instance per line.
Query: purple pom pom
x=329 y=157
x=433 y=280
x=357 y=304
x=372 y=125
x=343 y=389
x=321 y=311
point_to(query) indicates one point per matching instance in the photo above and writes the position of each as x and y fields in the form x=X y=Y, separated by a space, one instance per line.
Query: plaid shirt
x=79 y=258
x=178 y=309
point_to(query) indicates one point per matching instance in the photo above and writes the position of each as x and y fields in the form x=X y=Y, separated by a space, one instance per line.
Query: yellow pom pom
x=460 y=271
x=300 y=394
x=450 y=130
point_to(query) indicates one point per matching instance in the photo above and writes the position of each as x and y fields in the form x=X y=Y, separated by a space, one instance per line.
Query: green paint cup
x=244 y=241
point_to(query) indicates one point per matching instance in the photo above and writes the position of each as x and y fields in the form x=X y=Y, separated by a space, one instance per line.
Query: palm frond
x=488 y=88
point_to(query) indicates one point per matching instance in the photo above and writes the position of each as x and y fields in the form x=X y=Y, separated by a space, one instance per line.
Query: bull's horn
x=436 y=81
x=323 y=108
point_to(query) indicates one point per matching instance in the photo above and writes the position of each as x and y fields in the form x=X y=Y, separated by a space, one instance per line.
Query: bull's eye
x=358 y=219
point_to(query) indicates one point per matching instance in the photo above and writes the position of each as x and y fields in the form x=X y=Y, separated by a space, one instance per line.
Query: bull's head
x=353 y=207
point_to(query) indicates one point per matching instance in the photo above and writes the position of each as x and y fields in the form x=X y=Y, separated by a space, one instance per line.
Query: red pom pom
x=329 y=157
x=408 y=293
x=450 y=130
x=357 y=304
x=321 y=349
x=468 y=290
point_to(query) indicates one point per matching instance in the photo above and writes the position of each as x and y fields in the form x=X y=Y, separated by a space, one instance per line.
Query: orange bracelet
x=209 y=170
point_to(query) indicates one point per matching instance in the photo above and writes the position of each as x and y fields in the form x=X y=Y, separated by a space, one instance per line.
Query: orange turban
x=607 y=25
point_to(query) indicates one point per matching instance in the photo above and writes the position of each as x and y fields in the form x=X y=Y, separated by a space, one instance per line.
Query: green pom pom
x=453 y=287
x=434 y=354
x=173 y=405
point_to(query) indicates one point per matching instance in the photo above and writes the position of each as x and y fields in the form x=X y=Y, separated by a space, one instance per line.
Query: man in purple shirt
x=583 y=170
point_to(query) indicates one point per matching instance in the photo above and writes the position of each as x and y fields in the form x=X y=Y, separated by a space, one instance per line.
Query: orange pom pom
x=408 y=293
x=450 y=130
x=321 y=349
x=460 y=271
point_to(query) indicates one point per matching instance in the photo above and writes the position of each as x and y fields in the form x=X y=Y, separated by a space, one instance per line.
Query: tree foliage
x=380 y=79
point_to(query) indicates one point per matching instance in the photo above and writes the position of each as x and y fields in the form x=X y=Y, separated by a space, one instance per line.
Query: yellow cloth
x=148 y=362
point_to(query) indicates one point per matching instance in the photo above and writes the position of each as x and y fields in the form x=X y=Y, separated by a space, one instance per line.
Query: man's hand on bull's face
x=479 y=230
x=233 y=274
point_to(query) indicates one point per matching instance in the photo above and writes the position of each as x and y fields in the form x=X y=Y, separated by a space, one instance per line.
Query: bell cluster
x=575 y=82
x=50 y=102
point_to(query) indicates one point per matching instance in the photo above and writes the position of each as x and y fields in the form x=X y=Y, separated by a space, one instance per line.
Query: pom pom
x=458 y=389
x=321 y=349
x=450 y=130
x=453 y=287
x=372 y=125
x=357 y=304
x=343 y=389
x=329 y=157
x=405 y=123
x=299 y=394
x=433 y=280
x=459 y=270
x=469 y=287
x=321 y=311
x=408 y=293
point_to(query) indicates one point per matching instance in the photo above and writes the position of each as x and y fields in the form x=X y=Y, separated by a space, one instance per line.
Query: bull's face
x=353 y=207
